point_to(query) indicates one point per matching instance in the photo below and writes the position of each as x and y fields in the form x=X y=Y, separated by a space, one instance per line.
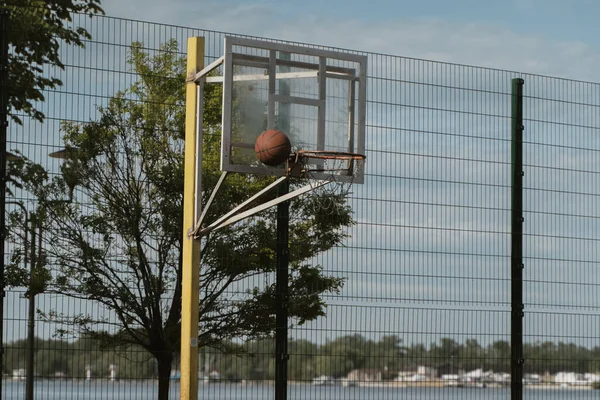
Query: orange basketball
x=272 y=147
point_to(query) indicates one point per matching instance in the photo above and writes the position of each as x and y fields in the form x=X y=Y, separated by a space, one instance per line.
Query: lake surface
x=145 y=390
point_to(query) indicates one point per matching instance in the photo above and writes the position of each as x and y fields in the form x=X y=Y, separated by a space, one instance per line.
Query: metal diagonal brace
x=208 y=69
x=222 y=222
x=240 y=207
x=210 y=201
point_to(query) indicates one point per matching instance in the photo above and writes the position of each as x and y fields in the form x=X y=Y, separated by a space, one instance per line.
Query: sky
x=536 y=36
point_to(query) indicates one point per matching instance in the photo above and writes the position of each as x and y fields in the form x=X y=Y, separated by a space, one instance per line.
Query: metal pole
x=31 y=318
x=281 y=312
x=31 y=315
x=190 y=268
x=282 y=275
x=3 y=125
x=517 y=307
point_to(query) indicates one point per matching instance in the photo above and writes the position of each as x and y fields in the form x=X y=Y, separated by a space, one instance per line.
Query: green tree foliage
x=302 y=362
x=389 y=354
x=37 y=29
x=499 y=355
x=343 y=355
x=121 y=247
x=72 y=359
x=473 y=354
x=27 y=264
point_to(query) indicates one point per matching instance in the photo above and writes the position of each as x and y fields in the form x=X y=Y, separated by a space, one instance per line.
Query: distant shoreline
x=437 y=383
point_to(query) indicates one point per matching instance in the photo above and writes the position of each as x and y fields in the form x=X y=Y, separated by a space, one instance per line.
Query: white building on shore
x=570 y=379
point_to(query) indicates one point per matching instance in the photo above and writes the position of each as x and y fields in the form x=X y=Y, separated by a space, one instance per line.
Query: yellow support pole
x=191 y=247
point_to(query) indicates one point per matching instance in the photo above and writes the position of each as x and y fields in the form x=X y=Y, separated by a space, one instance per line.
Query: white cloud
x=476 y=43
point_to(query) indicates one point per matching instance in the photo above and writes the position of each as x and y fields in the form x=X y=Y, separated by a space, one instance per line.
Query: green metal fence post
x=282 y=275
x=517 y=308
x=4 y=21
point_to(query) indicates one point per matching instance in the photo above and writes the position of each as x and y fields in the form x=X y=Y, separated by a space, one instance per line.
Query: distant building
x=501 y=377
x=19 y=374
x=452 y=380
x=60 y=375
x=89 y=372
x=214 y=376
x=428 y=372
x=450 y=377
x=348 y=383
x=592 y=377
x=419 y=378
x=532 y=379
x=323 y=380
x=404 y=376
x=112 y=372
x=570 y=379
x=365 y=375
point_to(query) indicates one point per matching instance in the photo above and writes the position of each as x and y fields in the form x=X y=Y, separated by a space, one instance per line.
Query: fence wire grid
x=425 y=307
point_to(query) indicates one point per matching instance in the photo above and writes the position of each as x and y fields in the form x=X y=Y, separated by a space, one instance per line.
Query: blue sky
x=549 y=37
x=558 y=19
x=572 y=20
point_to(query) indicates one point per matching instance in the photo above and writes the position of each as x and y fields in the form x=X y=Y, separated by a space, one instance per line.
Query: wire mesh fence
x=423 y=307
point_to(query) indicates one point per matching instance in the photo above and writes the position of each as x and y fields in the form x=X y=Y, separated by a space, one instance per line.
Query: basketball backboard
x=316 y=97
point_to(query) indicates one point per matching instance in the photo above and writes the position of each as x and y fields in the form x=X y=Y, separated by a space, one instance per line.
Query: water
x=146 y=390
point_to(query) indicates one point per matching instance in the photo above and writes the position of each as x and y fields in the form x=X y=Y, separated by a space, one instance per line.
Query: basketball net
x=336 y=168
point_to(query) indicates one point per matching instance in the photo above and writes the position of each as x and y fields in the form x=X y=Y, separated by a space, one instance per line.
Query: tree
x=121 y=246
x=471 y=355
x=37 y=28
x=416 y=355
x=499 y=355
x=302 y=360
x=52 y=359
x=388 y=354
x=342 y=355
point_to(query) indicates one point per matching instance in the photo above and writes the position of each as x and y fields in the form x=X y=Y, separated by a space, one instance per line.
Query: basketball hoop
x=316 y=166
x=310 y=163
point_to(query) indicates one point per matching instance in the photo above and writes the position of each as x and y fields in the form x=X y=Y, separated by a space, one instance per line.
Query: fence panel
x=561 y=225
x=424 y=311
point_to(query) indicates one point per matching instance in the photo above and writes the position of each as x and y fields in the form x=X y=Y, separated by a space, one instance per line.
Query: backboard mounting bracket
x=241 y=211
x=208 y=69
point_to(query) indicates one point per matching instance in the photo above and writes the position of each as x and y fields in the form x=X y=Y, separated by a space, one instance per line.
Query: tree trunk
x=164 y=375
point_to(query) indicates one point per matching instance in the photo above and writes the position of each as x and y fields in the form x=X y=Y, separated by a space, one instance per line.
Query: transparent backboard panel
x=299 y=123
x=337 y=117
x=316 y=97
